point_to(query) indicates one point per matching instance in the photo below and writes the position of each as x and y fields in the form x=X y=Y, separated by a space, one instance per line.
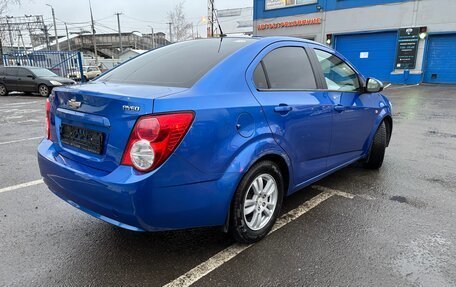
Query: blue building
x=398 y=41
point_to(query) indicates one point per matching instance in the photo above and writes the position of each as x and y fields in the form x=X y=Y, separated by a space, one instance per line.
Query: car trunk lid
x=93 y=122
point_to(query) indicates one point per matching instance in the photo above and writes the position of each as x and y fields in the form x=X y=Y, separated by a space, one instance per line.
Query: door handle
x=339 y=108
x=283 y=109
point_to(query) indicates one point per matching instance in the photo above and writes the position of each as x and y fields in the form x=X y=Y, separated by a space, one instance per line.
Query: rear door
x=11 y=81
x=298 y=114
x=354 y=111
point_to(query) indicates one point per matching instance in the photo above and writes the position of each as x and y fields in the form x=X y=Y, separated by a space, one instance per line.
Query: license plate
x=85 y=139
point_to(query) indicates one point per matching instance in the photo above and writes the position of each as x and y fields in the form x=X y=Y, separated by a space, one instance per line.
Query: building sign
x=277 y=4
x=407 y=48
x=288 y=24
x=364 y=55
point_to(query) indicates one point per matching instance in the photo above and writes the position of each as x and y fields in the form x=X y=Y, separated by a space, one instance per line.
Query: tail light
x=154 y=138
x=48 y=119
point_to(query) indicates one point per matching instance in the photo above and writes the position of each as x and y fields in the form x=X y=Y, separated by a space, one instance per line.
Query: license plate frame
x=82 y=138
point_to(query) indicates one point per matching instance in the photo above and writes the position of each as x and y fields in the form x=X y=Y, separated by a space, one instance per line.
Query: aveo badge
x=131 y=108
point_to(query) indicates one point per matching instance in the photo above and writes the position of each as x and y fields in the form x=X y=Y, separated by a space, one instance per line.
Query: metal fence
x=63 y=63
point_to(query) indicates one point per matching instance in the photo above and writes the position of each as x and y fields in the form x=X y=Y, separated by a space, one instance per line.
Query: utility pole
x=1 y=52
x=170 y=32
x=10 y=31
x=68 y=37
x=55 y=27
x=210 y=18
x=153 y=36
x=94 y=39
x=120 y=32
x=46 y=35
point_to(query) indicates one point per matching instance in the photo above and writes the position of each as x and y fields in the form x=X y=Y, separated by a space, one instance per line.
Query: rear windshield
x=176 y=65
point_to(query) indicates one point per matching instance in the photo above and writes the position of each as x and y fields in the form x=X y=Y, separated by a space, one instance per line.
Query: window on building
x=277 y=4
x=339 y=75
x=289 y=68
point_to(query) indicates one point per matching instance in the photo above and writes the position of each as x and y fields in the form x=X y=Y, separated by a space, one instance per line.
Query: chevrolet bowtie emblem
x=74 y=104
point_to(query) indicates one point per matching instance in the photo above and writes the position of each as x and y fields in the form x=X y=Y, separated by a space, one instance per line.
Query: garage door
x=441 y=59
x=371 y=53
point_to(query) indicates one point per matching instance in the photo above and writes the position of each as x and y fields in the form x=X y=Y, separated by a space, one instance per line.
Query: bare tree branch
x=5 y=3
x=181 y=28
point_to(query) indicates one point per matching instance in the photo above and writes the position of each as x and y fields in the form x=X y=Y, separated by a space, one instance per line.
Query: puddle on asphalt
x=424 y=261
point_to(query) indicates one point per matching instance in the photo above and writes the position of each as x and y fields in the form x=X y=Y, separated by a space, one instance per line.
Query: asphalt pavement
x=392 y=227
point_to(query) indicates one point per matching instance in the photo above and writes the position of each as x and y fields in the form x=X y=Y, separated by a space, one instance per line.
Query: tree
x=5 y=3
x=181 y=28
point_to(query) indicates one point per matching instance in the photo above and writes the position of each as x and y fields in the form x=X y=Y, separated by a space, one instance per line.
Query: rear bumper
x=134 y=201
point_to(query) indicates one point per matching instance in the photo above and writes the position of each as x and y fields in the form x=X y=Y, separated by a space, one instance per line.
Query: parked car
x=211 y=132
x=89 y=73
x=30 y=80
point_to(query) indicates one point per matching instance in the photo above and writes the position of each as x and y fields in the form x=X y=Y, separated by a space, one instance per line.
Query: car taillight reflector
x=48 y=119
x=154 y=138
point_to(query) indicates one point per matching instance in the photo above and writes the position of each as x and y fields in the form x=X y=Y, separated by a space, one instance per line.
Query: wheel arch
x=385 y=117
x=284 y=165
x=389 y=128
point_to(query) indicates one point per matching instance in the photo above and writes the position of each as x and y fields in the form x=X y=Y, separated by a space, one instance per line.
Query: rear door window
x=259 y=78
x=12 y=72
x=288 y=68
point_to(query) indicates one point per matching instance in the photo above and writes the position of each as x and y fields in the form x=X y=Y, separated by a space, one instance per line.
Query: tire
x=377 y=150
x=3 y=90
x=44 y=90
x=244 y=224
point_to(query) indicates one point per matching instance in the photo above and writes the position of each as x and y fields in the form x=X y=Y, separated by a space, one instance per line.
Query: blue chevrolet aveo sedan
x=211 y=132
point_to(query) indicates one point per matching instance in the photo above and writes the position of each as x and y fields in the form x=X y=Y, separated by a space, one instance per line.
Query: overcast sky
x=138 y=14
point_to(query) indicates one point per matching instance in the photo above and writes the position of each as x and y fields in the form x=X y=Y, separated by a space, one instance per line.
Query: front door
x=25 y=80
x=298 y=114
x=354 y=113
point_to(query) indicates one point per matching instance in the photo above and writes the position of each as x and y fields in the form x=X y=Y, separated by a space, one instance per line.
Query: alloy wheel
x=260 y=202
x=44 y=91
x=2 y=90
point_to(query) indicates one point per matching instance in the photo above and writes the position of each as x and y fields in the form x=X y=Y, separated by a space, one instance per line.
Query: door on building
x=373 y=54
x=440 y=66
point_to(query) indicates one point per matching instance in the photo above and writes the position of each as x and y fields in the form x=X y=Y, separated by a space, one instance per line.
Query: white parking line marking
x=334 y=191
x=232 y=251
x=21 y=103
x=22 y=185
x=21 y=140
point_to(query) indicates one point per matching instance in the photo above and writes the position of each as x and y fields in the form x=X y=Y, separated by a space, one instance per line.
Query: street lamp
x=153 y=36
x=203 y=20
x=55 y=27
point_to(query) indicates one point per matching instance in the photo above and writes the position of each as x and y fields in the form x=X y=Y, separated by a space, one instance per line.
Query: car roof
x=273 y=39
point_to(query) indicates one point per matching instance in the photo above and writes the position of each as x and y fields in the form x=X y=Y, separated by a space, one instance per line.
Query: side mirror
x=373 y=85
